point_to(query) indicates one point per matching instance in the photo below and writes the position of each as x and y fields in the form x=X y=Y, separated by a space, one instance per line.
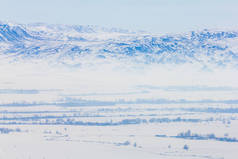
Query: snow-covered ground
x=141 y=123
x=119 y=131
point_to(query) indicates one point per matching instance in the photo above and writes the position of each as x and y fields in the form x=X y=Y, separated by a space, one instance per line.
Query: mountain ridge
x=69 y=44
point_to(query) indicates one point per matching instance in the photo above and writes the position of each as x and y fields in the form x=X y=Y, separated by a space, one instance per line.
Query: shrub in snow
x=185 y=147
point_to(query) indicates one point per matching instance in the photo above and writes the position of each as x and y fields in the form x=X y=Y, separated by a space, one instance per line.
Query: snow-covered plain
x=70 y=92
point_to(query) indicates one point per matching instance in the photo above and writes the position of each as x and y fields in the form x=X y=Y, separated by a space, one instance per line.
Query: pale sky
x=159 y=16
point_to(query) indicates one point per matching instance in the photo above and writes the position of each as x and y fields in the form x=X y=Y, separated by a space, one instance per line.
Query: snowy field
x=120 y=131
x=66 y=124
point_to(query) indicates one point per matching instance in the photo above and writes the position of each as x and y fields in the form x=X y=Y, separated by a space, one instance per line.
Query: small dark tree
x=185 y=147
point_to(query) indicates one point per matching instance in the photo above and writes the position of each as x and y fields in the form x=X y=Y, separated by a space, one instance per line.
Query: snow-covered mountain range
x=82 y=45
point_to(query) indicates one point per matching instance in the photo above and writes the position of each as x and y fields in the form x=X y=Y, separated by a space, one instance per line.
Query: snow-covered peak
x=80 y=45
